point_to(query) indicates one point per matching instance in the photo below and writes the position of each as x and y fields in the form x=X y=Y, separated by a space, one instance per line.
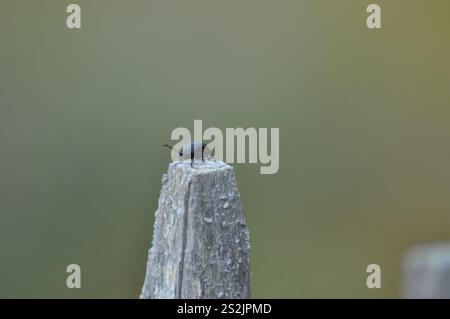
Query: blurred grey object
x=426 y=272
x=201 y=243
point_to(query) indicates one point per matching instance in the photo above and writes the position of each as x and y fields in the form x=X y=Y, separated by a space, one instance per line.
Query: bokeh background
x=364 y=118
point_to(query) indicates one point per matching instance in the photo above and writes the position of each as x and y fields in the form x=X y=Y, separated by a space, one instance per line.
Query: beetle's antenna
x=168 y=146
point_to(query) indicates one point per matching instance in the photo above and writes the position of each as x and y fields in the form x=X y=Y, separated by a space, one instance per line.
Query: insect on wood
x=201 y=246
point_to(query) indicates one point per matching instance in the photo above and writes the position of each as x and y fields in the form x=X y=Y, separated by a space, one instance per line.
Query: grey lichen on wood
x=201 y=245
x=426 y=272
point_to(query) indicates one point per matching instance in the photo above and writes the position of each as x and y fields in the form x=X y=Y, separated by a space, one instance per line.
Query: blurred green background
x=364 y=118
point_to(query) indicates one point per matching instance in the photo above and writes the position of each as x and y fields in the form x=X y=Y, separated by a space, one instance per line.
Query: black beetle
x=193 y=151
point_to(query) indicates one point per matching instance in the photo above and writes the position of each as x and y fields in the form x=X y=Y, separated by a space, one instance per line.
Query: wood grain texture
x=201 y=245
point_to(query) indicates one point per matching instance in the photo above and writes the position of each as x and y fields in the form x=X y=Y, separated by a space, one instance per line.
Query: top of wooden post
x=201 y=243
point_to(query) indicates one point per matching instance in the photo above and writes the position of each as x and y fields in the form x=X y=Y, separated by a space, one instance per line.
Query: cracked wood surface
x=200 y=243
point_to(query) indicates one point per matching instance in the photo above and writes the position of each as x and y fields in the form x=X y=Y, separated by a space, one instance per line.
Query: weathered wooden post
x=201 y=243
x=426 y=272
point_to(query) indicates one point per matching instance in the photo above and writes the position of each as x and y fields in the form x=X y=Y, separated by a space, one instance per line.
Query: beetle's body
x=194 y=151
